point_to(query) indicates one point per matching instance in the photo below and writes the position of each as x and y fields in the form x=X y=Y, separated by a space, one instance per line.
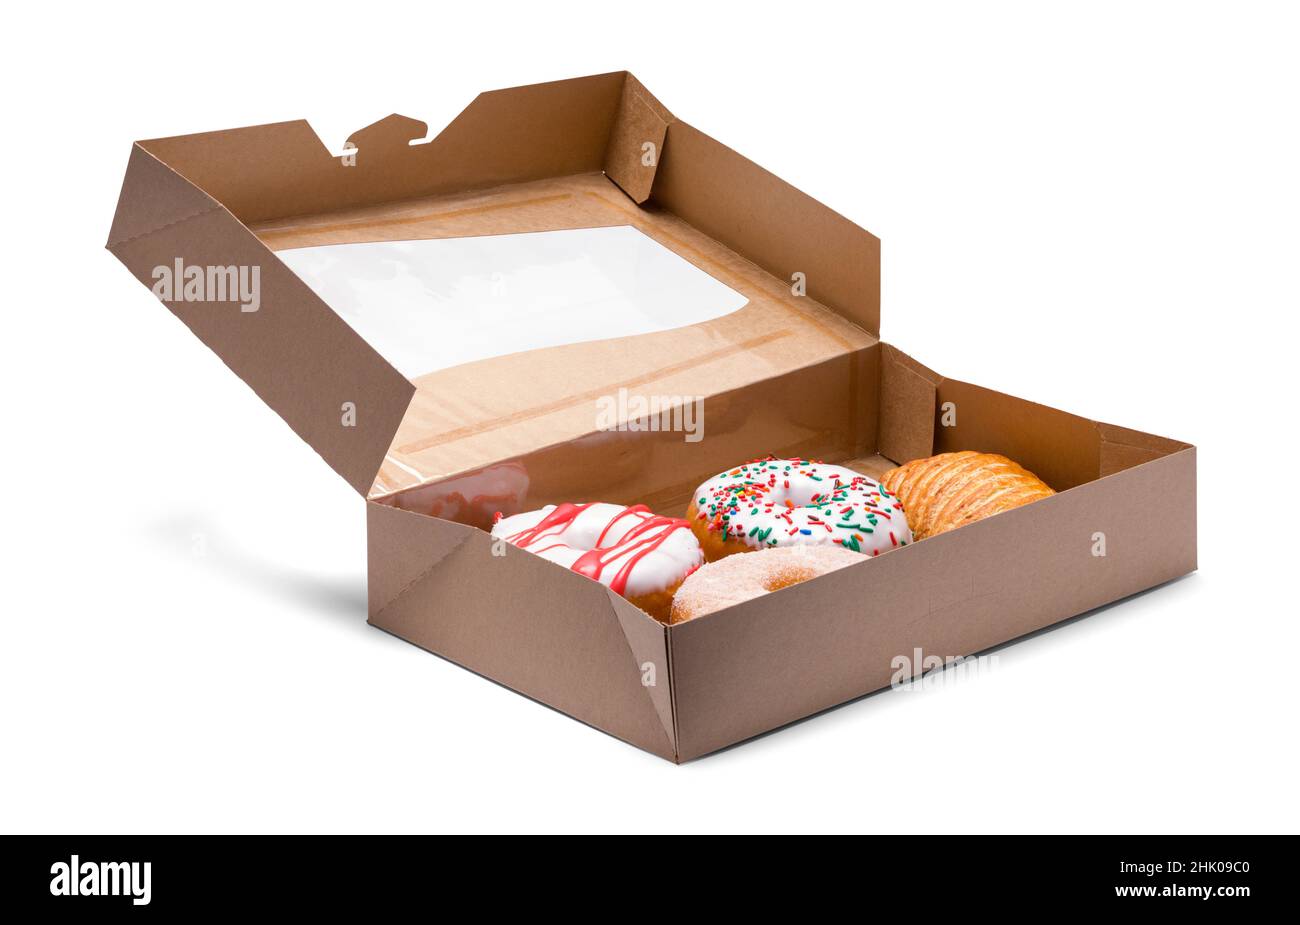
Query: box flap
x=1122 y=448
x=331 y=387
x=636 y=141
x=810 y=247
x=565 y=127
x=812 y=276
x=907 y=406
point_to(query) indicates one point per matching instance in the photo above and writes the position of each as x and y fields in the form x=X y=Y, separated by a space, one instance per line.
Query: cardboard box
x=798 y=371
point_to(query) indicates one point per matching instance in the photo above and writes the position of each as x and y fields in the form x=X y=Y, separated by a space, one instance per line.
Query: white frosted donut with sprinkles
x=636 y=553
x=769 y=503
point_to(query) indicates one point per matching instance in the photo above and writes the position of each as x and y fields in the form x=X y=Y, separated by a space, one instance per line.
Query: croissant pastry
x=941 y=493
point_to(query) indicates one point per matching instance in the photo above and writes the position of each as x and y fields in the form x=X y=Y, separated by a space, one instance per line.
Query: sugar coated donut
x=640 y=555
x=769 y=503
x=741 y=578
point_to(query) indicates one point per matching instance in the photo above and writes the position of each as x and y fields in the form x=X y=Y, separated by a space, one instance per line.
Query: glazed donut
x=640 y=555
x=770 y=502
x=741 y=578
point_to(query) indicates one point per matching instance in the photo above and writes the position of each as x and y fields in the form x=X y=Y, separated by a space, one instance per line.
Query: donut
x=767 y=503
x=473 y=498
x=635 y=553
x=736 y=579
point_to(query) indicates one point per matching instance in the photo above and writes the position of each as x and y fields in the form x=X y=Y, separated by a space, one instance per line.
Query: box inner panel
x=467 y=418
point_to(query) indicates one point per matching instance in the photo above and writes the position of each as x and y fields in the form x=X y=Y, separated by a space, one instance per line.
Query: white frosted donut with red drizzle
x=767 y=503
x=634 y=552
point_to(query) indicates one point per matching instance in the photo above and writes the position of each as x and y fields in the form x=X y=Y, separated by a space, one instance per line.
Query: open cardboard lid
x=189 y=201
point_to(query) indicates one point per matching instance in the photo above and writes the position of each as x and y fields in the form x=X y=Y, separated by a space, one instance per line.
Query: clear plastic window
x=432 y=304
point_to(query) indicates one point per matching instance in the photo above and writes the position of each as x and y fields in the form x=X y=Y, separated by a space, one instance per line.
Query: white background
x=1097 y=209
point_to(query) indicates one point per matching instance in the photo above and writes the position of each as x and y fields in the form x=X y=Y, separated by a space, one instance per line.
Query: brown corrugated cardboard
x=798 y=371
x=300 y=357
